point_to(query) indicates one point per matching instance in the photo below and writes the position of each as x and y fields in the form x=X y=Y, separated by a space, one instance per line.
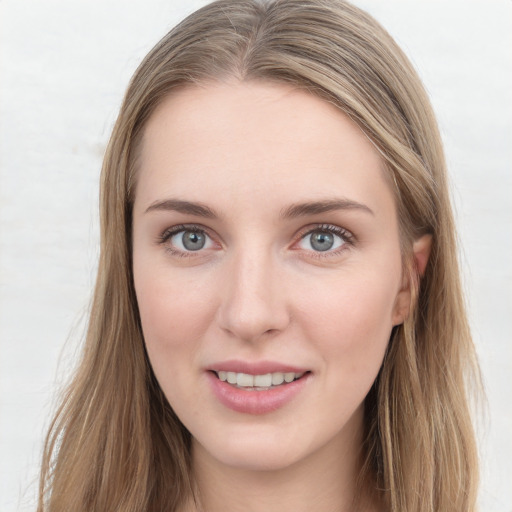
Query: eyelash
x=170 y=232
x=347 y=237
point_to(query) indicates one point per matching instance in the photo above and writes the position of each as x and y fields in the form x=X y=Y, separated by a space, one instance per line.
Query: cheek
x=351 y=321
x=172 y=327
x=174 y=315
x=173 y=311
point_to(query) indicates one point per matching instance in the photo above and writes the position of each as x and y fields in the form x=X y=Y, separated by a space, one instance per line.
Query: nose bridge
x=253 y=302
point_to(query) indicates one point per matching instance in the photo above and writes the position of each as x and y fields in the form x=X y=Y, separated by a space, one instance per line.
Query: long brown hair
x=115 y=443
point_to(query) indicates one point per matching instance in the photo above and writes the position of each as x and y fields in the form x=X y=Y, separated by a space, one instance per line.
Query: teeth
x=245 y=380
x=263 y=381
x=277 y=378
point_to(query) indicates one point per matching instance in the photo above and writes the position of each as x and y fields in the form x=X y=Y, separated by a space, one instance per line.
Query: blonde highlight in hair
x=115 y=443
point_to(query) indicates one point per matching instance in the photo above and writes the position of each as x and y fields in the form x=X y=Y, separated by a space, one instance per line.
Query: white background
x=64 y=66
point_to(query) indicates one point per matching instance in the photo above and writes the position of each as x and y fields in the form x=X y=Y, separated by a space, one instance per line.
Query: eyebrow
x=177 y=205
x=291 y=212
x=328 y=205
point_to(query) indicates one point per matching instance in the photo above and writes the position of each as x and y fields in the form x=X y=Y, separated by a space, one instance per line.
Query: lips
x=256 y=388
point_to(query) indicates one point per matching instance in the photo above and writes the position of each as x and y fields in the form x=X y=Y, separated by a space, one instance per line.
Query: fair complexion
x=266 y=242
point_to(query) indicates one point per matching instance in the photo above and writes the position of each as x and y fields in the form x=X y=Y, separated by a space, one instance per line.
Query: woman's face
x=265 y=250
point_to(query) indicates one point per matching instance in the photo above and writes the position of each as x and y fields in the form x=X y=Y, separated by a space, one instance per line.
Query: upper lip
x=254 y=367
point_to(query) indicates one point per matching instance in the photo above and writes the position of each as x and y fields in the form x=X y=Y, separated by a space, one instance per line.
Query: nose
x=253 y=305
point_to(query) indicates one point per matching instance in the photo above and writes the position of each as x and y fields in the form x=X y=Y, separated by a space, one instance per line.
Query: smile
x=261 y=382
x=257 y=393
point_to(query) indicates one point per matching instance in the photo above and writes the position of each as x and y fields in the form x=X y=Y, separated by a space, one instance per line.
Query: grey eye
x=321 y=241
x=188 y=240
x=193 y=241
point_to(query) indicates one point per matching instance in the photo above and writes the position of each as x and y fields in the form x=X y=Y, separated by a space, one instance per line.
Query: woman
x=278 y=320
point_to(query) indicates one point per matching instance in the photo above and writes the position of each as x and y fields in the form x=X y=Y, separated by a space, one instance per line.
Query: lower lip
x=255 y=402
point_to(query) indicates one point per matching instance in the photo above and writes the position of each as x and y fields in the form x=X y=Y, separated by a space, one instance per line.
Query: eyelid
x=173 y=230
x=169 y=232
x=347 y=237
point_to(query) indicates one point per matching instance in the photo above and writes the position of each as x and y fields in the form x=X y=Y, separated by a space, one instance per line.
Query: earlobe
x=401 y=306
x=421 y=253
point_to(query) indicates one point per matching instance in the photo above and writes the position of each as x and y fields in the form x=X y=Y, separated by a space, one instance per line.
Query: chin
x=264 y=458
x=259 y=450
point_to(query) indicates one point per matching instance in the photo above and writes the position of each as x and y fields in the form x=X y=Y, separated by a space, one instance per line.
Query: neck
x=325 y=481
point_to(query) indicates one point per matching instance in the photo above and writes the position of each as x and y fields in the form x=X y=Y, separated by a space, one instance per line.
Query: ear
x=420 y=253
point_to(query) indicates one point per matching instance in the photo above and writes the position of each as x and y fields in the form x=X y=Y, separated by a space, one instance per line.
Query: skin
x=259 y=290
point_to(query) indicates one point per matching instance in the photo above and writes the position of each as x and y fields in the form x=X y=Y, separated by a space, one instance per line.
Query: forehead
x=256 y=141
